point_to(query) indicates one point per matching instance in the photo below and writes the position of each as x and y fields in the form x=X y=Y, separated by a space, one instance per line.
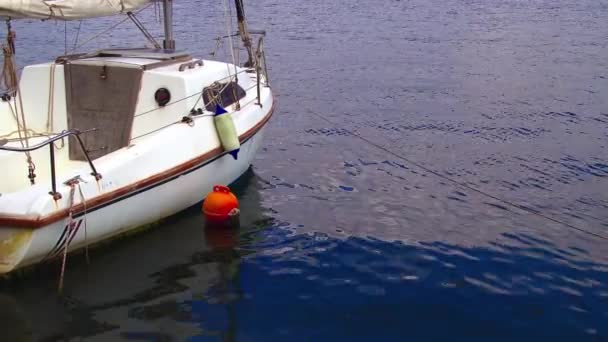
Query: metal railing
x=259 y=65
x=50 y=142
x=260 y=62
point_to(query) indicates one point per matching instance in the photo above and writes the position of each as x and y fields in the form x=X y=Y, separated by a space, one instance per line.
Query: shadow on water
x=266 y=281
x=141 y=278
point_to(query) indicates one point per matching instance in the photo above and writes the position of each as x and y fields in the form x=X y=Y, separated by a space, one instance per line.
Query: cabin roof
x=129 y=58
x=143 y=53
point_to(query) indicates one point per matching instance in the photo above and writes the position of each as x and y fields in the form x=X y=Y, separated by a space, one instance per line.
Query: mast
x=240 y=14
x=168 y=43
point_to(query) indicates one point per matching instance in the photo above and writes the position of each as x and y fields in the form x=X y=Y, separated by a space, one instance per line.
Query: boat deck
x=137 y=58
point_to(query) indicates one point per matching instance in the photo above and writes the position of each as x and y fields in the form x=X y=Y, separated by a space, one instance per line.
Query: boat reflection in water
x=140 y=288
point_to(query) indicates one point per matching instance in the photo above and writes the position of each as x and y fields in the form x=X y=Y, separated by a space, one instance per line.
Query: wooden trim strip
x=34 y=222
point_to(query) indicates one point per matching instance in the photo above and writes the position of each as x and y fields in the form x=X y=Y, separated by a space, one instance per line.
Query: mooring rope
x=68 y=235
x=84 y=203
x=463 y=185
x=10 y=80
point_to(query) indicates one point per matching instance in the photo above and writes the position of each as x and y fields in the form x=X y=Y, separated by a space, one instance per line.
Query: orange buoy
x=220 y=205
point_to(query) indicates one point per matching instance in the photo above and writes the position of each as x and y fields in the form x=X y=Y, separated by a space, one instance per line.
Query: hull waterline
x=21 y=247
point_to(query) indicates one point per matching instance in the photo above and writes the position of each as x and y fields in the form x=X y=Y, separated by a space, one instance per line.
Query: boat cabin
x=115 y=97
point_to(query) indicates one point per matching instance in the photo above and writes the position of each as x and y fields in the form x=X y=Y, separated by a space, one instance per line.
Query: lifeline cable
x=468 y=187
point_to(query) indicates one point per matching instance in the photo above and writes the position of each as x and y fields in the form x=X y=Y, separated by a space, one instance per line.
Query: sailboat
x=95 y=145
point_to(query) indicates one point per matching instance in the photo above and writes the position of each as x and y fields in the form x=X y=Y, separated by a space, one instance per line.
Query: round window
x=162 y=96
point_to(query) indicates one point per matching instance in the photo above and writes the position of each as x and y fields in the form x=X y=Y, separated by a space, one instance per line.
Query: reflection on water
x=138 y=282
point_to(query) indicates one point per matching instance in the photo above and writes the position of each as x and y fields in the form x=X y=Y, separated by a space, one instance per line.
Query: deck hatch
x=102 y=97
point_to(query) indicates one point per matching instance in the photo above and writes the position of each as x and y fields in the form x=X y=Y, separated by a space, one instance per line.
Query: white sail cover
x=67 y=9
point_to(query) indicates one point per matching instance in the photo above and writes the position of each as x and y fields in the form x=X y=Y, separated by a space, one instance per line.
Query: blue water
x=340 y=240
x=365 y=289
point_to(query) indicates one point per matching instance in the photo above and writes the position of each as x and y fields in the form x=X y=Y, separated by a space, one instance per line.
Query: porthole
x=162 y=96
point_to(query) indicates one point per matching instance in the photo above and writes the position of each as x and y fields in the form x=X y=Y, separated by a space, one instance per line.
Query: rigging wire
x=77 y=36
x=236 y=61
x=228 y=24
x=65 y=37
x=461 y=184
x=108 y=29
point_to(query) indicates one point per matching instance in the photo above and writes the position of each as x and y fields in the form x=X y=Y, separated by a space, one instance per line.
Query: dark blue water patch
x=509 y=133
x=580 y=168
x=566 y=118
x=601 y=119
x=306 y=186
x=581 y=213
x=352 y=169
x=593 y=202
x=576 y=216
x=356 y=168
x=457 y=196
x=386 y=172
x=454 y=198
x=395 y=164
x=298 y=37
x=578 y=250
x=522 y=238
x=490 y=161
x=535 y=169
x=329 y=131
x=499 y=206
x=600 y=168
x=509 y=185
x=440 y=127
x=367 y=162
x=489 y=133
x=287 y=185
x=534 y=183
x=368 y=289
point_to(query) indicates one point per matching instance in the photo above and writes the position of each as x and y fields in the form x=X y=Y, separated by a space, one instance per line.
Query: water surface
x=341 y=240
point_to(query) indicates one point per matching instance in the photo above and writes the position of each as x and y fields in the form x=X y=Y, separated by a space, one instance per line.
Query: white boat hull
x=98 y=144
x=137 y=209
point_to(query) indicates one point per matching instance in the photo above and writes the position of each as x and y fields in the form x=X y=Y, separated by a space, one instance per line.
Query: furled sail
x=67 y=9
